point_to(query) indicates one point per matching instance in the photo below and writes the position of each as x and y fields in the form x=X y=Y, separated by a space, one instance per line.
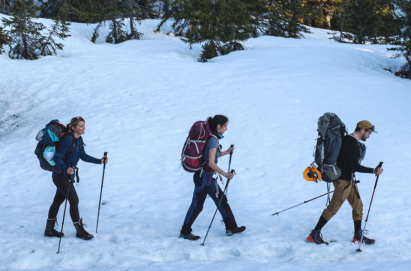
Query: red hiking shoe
x=357 y=238
x=316 y=238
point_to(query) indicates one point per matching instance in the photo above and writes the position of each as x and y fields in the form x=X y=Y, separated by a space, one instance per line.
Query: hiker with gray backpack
x=338 y=156
x=59 y=150
x=200 y=155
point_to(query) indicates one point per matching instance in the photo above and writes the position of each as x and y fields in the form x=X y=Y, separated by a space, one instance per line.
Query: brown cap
x=365 y=124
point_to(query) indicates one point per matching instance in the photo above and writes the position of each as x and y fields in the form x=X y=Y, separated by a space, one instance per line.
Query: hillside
x=140 y=98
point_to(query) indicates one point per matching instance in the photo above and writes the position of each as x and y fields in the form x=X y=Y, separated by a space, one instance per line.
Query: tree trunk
x=115 y=30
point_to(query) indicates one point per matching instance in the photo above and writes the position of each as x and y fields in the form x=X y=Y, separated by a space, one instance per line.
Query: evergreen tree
x=5 y=6
x=283 y=19
x=59 y=29
x=4 y=40
x=82 y=11
x=320 y=12
x=362 y=21
x=219 y=25
x=116 y=11
x=404 y=40
x=25 y=33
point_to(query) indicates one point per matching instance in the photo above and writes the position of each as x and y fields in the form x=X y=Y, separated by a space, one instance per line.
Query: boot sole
x=355 y=241
x=85 y=238
x=188 y=238
x=52 y=235
x=311 y=240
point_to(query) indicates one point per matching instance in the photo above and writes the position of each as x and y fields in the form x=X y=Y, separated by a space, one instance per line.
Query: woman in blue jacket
x=70 y=150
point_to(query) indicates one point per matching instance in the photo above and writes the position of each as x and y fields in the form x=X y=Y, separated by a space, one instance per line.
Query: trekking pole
x=101 y=192
x=65 y=206
x=302 y=203
x=375 y=186
x=229 y=163
x=226 y=186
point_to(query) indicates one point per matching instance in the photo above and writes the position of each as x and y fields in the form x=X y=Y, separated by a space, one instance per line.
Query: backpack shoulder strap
x=72 y=148
x=211 y=136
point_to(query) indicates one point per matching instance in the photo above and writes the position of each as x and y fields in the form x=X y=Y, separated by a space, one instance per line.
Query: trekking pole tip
x=358 y=250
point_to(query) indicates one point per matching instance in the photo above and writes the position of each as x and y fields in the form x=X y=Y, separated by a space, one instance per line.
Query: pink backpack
x=192 y=154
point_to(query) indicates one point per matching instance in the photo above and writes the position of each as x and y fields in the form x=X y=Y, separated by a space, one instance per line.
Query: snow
x=140 y=98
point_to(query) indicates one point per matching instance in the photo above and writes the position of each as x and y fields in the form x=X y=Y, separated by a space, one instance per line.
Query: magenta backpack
x=192 y=154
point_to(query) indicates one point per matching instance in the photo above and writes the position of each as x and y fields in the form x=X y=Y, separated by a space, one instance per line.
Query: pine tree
x=4 y=40
x=116 y=11
x=82 y=11
x=404 y=40
x=59 y=29
x=362 y=21
x=320 y=12
x=283 y=19
x=5 y=6
x=25 y=33
x=219 y=25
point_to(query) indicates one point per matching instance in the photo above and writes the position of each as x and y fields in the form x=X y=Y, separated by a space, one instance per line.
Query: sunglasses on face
x=372 y=129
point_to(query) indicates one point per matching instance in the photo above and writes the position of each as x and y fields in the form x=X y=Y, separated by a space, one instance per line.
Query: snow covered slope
x=140 y=98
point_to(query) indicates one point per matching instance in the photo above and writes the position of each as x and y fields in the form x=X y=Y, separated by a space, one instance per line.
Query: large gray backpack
x=331 y=133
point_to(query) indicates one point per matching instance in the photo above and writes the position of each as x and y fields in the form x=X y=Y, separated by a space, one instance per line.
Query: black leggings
x=60 y=197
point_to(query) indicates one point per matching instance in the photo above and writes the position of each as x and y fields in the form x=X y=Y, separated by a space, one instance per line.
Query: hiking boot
x=316 y=237
x=81 y=232
x=230 y=232
x=190 y=236
x=50 y=231
x=365 y=240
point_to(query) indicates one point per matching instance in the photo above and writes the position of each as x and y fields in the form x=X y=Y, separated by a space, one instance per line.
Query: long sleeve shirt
x=77 y=154
x=348 y=160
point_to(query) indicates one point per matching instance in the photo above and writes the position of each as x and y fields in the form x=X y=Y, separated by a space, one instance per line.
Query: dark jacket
x=77 y=154
x=348 y=159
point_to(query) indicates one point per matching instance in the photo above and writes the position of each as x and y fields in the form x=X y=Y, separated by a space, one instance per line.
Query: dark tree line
x=220 y=26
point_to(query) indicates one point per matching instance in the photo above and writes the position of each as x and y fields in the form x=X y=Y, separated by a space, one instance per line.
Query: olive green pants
x=344 y=190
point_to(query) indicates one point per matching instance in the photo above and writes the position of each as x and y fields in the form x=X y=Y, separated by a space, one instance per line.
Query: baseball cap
x=365 y=124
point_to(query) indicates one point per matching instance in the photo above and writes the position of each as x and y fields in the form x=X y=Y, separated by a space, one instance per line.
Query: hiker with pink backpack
x=200 y=156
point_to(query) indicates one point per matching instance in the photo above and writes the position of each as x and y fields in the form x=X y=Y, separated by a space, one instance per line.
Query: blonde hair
x=73 y=123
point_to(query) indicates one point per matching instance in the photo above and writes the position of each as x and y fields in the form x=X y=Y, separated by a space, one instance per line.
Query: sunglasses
x=372 y=129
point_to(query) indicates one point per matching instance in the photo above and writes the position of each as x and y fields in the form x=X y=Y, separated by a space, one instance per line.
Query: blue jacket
x=77 y=154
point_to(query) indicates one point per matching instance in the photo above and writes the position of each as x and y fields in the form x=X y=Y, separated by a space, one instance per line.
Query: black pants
x=199 y=197
x=60 y=197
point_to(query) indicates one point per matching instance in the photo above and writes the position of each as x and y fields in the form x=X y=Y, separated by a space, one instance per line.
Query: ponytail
x=216 y=120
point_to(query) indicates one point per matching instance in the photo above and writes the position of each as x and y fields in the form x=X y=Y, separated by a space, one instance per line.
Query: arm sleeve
x=60 y=152
x=213 y=143
x=352 y=155
x=87 y=158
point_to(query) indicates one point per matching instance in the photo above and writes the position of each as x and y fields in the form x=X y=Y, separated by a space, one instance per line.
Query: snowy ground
x=140 y=98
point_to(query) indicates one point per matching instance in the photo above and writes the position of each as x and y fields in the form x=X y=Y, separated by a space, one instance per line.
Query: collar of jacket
x=218 y=135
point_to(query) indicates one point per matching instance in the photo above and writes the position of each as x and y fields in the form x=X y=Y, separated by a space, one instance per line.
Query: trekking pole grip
x=379 y=166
